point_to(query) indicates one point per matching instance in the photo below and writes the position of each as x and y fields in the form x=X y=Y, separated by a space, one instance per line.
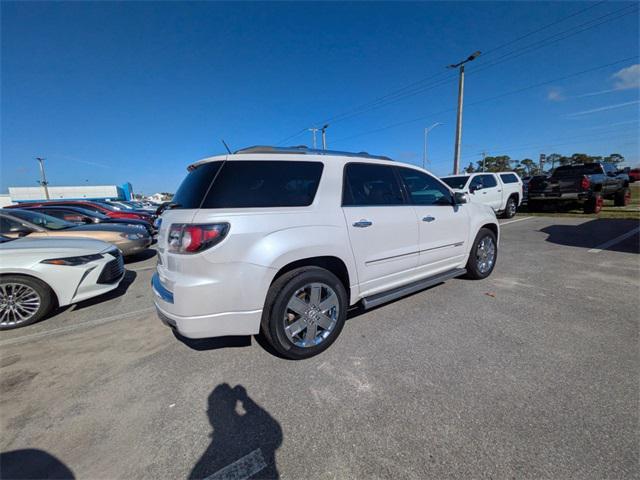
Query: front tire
x=304 y=312
x=23 y=301
x=483 y=255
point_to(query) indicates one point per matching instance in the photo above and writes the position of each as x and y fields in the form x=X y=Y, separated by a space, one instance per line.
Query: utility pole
x=43 y=178
x=324 y=136
x=484 y=155
x=313 y=131
x=458 y=140
x=426 y=134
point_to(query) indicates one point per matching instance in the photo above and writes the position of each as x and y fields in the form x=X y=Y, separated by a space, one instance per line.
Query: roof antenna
x=226 y=146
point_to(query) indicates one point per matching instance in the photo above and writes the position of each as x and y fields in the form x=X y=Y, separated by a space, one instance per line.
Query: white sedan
x=36 y=274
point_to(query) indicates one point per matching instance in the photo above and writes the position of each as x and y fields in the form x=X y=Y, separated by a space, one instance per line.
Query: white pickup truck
x=501 y=191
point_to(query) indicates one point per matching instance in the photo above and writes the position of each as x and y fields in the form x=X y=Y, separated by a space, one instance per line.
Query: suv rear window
x=250 y=184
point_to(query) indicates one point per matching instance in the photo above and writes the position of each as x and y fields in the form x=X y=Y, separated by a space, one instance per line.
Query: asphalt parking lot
x=530 y=373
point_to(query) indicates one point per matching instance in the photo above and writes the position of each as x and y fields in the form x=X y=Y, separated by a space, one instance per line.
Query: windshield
x=90 y=213
x=457 y=183
x=42 y=220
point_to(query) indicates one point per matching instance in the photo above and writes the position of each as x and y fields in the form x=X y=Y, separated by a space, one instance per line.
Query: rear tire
x=23 y=301
x=594 y=204
x=483 y=255
x=511 y=208
x=622 y=197
x=304 y=312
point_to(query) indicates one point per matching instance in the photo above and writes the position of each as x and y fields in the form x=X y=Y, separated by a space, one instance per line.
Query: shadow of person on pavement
x=244 y=438
x=31 y=463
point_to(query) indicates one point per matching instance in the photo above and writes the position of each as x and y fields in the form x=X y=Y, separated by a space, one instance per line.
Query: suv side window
x=476 y=182
x=367 y=184
x=489 y=181
x=423 y=189
x=508 y=178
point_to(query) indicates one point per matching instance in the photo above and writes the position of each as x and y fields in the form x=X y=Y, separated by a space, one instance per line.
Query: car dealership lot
x=530 y=373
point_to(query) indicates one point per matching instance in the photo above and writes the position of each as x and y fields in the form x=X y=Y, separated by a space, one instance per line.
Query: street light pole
x=43 y=178
x=426 y=134
x=313 y=131
x=458 y=140
x=324 y=136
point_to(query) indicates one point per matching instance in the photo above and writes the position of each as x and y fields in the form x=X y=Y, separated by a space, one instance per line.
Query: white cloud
x=555 y=94
x=627 y=78
x=602 y=109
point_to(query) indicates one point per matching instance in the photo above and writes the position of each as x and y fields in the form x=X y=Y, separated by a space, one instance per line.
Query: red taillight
x=188 y=238
x=585 y=183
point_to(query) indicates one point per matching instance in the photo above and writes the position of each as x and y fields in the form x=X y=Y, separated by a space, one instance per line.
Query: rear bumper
x=216 y=324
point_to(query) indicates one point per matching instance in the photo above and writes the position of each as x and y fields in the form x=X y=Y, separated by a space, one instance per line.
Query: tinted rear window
x=194 y=187
x=250 y=184
x=509 y=178
x=573 y=170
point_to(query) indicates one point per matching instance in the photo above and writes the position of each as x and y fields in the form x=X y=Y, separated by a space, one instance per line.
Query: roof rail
x=307 y=151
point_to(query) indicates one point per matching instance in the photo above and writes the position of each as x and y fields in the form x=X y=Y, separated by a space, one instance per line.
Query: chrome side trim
x=159 y=289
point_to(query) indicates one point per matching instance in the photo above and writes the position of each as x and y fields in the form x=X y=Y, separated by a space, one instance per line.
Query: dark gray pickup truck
x=586 y=184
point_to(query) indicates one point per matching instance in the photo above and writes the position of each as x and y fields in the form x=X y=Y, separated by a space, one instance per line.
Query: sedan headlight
x=73 y=261
x=132 y=236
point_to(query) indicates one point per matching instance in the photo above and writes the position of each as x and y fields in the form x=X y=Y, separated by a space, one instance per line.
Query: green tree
x=614 y=158
x=470 y=168
x=501 y=163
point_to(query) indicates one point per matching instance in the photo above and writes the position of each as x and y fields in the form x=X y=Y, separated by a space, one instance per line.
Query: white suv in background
x=282 y=241
x=501 y=191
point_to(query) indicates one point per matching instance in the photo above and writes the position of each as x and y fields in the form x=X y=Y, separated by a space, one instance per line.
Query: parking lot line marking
x=516 y=220
x=614 y=241
x=70 y=328
x=241 y=469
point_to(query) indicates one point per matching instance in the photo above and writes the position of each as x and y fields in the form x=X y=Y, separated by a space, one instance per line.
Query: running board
x=384 y=297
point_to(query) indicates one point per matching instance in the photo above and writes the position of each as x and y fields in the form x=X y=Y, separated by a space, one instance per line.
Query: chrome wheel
x=511 y=207
x=485 y=254
x=18 y=303
x=311 y=315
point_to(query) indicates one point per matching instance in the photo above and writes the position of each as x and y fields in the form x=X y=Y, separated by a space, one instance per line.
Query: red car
x=634 y=175
x=94 y=206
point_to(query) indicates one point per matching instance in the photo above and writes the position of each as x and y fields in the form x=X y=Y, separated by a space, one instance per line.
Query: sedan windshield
x=457 y=183
x=40 y=219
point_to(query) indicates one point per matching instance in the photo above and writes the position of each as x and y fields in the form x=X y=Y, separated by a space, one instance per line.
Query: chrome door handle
x=363 y=224
x=428 y=218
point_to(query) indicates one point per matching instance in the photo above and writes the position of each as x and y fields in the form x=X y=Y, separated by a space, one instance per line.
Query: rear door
x=444 y=227
x=491 y=192
x=382 y=226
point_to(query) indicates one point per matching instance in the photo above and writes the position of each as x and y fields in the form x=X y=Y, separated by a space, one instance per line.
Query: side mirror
x=20 y=231
x=474 y=188
x=459 y=198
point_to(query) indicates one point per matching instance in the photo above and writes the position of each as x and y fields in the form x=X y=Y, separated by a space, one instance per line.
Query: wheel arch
x=54 y=294
x=329 y=262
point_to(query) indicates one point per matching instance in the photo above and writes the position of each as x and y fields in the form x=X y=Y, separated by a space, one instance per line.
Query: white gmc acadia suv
x=281 y=241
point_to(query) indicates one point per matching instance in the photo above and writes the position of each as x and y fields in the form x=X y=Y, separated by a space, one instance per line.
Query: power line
x=487 y=99
x=412 y=89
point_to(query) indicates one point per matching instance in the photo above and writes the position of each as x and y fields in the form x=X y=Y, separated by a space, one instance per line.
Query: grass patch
x=608 y=210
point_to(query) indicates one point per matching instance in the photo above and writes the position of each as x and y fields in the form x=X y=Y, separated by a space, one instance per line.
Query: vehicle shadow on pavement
x=214 y=343
x=244 y=438
x=32 y=463
x=596 y=234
